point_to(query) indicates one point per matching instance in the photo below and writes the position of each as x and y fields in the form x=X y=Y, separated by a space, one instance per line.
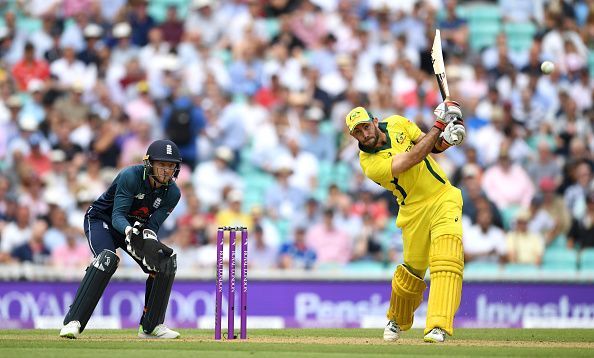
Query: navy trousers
x=102 y=236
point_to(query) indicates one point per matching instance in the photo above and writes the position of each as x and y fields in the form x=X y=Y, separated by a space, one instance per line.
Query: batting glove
x=454 y=133
x=446 y=112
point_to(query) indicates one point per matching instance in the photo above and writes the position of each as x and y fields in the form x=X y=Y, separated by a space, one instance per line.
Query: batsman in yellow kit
x=394 y=153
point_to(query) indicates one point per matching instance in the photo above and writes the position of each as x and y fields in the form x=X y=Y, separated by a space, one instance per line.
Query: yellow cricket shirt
x=416 y=184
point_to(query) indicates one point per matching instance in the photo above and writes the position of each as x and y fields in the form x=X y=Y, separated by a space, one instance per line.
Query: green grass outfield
x=301 y=343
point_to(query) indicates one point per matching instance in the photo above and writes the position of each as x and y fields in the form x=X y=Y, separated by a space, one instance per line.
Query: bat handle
x=454 y=136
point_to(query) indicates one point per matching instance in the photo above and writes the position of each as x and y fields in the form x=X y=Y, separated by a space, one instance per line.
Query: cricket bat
x=439 y=67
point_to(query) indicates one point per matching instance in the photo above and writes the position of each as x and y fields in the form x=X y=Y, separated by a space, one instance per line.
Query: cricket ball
x=547 y=67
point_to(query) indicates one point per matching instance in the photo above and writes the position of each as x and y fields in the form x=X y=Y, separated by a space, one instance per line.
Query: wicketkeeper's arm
x=124 y=197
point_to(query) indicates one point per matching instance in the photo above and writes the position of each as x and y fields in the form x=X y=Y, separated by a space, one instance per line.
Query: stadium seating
x=332 y=173
x=342 y=174
x=256 y=184
x=365 y=266
x=29 y=24
x=508 y=215
x=330 y=266
x=483 y=35
x=325 y=173
x=587 y=259
x=560 y=260
x=519 y=35
x=246 y=167
x=390 y=227
x=24 y=23
x=259 y=181
x=320 y=194
x=484 y=13
x=272 y=26
x=158 y=8
x=256 y=181
x=461 y=12
x=559 y=242
x=484 y=23
x=482 y=268
x=251 y=199
x=520 y=269
x=591 y=63
x=284 y=228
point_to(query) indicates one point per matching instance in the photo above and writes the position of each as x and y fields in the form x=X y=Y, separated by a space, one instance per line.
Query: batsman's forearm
x=405 y=161
x=424 y=147
x=440 y=146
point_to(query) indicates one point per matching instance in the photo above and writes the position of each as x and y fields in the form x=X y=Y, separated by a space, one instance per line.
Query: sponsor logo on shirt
x=140 y=213
x=157 y=203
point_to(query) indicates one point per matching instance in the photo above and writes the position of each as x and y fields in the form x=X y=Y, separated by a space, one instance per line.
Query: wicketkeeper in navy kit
x=128 y=215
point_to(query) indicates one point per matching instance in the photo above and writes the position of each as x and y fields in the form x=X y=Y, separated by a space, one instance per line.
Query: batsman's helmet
x=162 y=150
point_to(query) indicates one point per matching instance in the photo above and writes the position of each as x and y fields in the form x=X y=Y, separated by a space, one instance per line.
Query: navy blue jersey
x=131 y=198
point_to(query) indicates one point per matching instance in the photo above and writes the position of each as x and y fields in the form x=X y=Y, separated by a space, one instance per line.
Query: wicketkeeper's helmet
x=162 y=150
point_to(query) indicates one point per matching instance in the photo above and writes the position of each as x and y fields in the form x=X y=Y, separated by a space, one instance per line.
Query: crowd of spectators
x=259 y=89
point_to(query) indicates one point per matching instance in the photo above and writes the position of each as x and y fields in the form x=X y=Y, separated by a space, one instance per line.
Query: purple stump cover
x=231 y=298
x=244 y=268
x=219 y=284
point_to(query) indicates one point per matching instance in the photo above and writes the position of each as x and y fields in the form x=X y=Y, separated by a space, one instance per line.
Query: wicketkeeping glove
x=454 y=133
x=446 y=112
x=134 y=240
x=153 y=250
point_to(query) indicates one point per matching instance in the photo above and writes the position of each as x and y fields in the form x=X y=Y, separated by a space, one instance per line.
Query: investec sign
x=515 y=313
